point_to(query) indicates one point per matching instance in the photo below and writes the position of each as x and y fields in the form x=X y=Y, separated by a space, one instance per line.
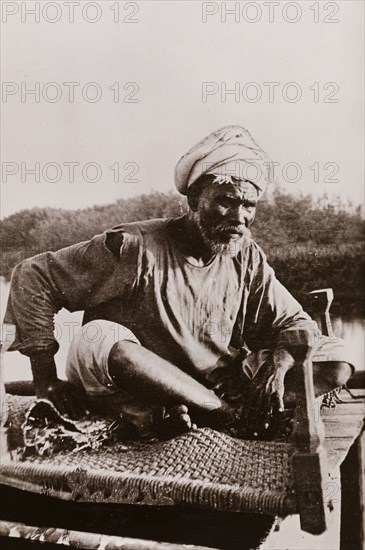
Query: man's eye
x=226 y=202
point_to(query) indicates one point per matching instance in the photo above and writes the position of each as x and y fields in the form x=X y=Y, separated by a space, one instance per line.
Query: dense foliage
x=310 y=244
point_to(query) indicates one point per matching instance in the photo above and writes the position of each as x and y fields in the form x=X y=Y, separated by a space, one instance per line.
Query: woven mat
x=202 y=468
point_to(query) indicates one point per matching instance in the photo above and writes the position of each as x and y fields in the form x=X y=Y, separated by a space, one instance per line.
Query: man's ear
x=193 y=195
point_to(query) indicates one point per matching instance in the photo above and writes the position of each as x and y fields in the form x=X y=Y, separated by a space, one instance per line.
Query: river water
x=17 y=366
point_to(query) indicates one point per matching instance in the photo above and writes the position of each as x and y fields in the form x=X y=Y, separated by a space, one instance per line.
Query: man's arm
x=77 y=278
x=68 y=400
x=271 y=311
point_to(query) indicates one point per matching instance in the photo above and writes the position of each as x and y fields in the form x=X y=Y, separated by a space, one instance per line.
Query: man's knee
x=335 y=373
x=120 y=359
x=88 y=356
x=117 y=353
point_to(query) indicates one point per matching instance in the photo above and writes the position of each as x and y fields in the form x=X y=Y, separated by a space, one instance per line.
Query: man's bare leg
x=327 y=376
x=152 y=380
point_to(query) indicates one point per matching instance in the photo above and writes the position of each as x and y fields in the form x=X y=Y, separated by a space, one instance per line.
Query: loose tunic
x=136 y=276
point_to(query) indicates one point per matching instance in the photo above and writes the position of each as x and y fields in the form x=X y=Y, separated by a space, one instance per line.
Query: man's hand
x=68 y=400
x=275 y=388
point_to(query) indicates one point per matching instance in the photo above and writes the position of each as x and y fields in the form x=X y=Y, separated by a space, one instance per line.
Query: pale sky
x=169 y=54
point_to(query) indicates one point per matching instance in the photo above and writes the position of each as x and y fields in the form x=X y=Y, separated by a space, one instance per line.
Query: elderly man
x=177 y=311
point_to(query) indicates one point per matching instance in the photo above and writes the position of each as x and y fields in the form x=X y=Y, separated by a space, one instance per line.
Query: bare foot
x=175 y=421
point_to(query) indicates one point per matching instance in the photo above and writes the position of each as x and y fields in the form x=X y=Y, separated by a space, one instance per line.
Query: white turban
x=229 y=151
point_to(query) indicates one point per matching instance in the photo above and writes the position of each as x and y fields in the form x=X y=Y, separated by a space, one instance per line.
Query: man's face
x=225 y=212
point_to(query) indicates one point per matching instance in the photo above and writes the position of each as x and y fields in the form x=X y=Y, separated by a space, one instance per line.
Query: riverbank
x=310 y=244
x=303 y=268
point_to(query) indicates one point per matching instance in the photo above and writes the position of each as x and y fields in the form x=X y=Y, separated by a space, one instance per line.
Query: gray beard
x=230 y=248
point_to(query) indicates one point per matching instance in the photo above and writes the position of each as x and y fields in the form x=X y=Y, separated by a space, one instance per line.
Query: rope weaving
x=202 y=468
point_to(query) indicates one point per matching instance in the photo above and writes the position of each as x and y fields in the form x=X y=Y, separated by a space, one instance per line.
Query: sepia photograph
x=182 y=275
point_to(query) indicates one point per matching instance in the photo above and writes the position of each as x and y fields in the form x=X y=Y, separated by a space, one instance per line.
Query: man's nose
x=239 y=215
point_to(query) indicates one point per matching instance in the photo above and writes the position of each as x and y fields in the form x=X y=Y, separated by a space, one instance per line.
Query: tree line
x=310 y=243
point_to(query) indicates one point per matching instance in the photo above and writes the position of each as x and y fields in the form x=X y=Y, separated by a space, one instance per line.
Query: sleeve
x=77 y=278
x=271 y=310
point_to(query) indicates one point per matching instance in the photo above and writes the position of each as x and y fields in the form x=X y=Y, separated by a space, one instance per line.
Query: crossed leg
x=327 y=375
x=150 y=379
x=117 y=365
x=119 y=375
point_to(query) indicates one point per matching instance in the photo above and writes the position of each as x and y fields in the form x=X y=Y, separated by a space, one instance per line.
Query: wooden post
x=309 y=462
x=320 y=303
x=352 y=535
x=352 y=469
